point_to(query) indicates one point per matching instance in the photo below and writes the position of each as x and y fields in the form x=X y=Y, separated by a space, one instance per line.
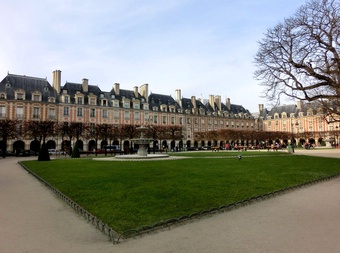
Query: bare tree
x=8 y=130
x=299 y=57
x=39 y=130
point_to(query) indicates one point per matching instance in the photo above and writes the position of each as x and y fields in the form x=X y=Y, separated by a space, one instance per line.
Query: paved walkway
x=32 y=219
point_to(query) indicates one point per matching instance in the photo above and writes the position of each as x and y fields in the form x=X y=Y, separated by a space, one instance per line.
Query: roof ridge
x=30 y=77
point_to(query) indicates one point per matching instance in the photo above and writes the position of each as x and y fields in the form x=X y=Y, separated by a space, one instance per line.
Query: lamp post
x=292 y=127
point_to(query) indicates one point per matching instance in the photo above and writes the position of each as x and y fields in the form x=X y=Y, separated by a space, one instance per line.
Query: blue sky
x=201 y=47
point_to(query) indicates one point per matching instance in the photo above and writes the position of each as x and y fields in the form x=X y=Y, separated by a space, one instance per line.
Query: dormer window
x=136 y=105
x=126 y=104
x=2 y=96
x=80 y=100
x=92 y=101
x=36 y=97
x=20 y=95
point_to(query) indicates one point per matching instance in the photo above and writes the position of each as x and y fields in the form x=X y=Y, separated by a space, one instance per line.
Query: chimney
x=85 y=85
x=193 y=101
x=261 y=107
x=56 y=77
x=299 y=105
x=178 y=97
x=116 y=88
x=135 y=91
x=227 y=103
x=144 y=91
x=217 y=100
x=211 y=101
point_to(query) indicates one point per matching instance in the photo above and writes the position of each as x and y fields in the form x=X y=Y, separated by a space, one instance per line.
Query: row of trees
x=262 y=136
x=42 y=130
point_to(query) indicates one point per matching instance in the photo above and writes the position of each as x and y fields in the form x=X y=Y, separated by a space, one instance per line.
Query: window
x=126 y=115
x=36 y=113
x=146 y=107
x=2 y=111
x=66 y=111
x=172 y=120
x=136 y=105
x=2 y=96
x=164 y=119
x=116 y=114
x=180 y=120
x=36 y=97
x=115 y=103
x=20 y=112
x=92 y=112
x=126 y=104
x=92 y=101
x=155 y=119
x=51 y=113
x=137 y=116
x=104 y=113
x=80 y=100
x=20 y=96
x=80 y=112
x=66 y=99
x=104 y=102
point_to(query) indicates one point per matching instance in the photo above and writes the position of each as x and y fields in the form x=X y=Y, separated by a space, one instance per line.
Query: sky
x=202 y=47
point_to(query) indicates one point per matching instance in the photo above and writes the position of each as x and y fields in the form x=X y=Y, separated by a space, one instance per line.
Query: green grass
x=130 y=194
x=229 y=153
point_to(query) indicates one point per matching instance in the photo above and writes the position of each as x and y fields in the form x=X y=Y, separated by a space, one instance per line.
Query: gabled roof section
x=289 y=109
x=236 y=109
x=72 y=88
x=127 y=94
x=159 y=99
x=29 y=84
x=187 y=104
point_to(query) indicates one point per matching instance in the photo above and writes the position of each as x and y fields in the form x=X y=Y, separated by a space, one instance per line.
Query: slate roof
x=159 y=99
x=13 y=82
x=29 y=84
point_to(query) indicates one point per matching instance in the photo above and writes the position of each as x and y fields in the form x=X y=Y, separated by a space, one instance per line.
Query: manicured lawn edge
x=116 y=237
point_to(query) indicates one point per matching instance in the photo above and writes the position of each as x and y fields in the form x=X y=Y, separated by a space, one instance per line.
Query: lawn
x=130 y=194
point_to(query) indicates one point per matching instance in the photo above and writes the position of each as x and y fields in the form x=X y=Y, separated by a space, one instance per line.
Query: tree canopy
x=299 y=57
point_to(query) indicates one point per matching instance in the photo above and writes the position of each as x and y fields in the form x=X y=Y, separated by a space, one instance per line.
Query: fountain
x=142 y=151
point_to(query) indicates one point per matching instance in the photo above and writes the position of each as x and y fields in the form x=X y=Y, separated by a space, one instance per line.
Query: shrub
x=43 y=154
x=75 y=152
